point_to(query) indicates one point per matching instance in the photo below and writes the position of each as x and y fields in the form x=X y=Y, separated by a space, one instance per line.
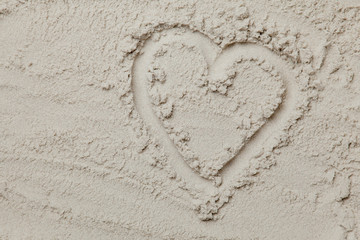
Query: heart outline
x=200 y=183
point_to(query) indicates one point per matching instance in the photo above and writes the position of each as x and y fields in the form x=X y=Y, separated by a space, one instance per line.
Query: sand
x=180 y=119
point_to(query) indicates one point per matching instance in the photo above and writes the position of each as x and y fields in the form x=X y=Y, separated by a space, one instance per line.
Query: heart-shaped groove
x=200 y=74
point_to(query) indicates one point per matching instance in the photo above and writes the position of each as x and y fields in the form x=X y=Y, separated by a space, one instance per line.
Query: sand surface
x=180 y=119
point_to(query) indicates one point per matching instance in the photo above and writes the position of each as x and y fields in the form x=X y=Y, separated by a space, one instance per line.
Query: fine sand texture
x=201 y=119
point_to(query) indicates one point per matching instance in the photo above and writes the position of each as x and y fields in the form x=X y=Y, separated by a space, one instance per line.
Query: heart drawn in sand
x=209 y=103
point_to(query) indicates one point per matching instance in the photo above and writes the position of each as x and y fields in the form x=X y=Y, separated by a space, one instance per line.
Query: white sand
x=180 y=119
